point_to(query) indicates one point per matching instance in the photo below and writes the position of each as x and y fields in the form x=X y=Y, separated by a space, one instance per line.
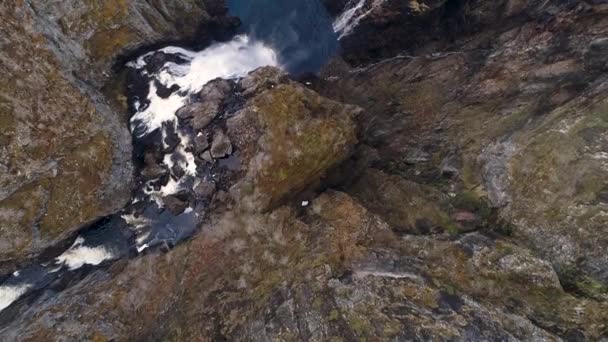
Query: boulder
x=221 y=145
x=288 y=137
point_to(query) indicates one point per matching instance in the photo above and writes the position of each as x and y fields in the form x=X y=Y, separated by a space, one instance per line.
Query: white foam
x=221 y=60
x=159 y=111
x=9 y=294
x=78 y=255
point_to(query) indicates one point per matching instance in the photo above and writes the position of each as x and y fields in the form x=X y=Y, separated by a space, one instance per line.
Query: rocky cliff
x=444 y=179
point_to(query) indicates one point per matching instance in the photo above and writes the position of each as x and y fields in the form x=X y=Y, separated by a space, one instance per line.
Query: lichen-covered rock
x=65 y=151
x=288 y=137
x=408 y=207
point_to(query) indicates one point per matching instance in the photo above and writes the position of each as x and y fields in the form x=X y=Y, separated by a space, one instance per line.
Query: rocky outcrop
x=332 y=270
x=511 y=113
x=381 y=29
x=290 y=135
x=64 y=145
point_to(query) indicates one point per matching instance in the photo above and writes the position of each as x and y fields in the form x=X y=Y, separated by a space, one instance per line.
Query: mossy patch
x=107 y=43
x=305 y=135
x=74 y=197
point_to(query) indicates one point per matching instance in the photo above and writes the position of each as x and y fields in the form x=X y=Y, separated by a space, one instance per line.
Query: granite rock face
x=65 y=148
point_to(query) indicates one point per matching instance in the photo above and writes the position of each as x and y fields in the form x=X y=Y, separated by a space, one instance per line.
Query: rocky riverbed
x=374 y=170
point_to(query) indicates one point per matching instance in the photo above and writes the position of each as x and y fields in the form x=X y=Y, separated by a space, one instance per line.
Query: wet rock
x=216 y=91
x=200 y=113
x=171 y=139
x=205 y=189
x=206 y=156
x=177 y=171
x=221 y=145
x=154 y=172
x=201 y=143
x=208 y=106
x=262 y=79
x=176 y=204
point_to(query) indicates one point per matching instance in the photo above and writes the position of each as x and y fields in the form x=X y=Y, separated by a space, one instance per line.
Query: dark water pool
x=299 y=30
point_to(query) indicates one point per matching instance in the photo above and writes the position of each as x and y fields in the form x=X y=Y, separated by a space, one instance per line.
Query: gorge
x=315 y=170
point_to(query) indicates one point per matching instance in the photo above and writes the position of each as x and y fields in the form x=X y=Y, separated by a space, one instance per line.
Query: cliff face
x=444 y=179
x=65 y=148
x=511 y=110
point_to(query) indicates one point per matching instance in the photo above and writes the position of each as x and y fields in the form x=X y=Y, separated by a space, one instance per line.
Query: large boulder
x=65 y=150
x=288 y=136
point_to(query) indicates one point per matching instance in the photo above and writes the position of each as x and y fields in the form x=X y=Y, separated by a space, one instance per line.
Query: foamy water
x=9 y=294
x=79 y=255
x=221 y=60
x=228 y=60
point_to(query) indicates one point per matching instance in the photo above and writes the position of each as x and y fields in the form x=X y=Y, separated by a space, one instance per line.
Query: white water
x=353 y=13
x=79 y=255
x=233 y=59
x=228 y=60
x=222 y=60
x=9 y=294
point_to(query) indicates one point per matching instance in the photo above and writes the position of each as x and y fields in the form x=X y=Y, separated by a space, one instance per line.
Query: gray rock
x=206 y=156
x=201 y=143
x=205 y=189
x=595 y=56
x=176 y=204
x=154 y=172
x=221 y=146
x=200 y=114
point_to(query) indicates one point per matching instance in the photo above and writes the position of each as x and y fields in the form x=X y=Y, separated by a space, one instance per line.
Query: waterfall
x=353 y=13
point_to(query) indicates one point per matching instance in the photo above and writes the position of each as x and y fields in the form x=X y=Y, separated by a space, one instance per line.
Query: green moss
x=470 y=202
x=305 y=134
x=334 y=315
x=7 y=122
x=450 y=226
x=360 y=326
x=581 y=284
x=107 y=43
x=73 y=193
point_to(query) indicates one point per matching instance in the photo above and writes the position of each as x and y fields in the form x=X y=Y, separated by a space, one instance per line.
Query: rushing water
x=297 y=35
